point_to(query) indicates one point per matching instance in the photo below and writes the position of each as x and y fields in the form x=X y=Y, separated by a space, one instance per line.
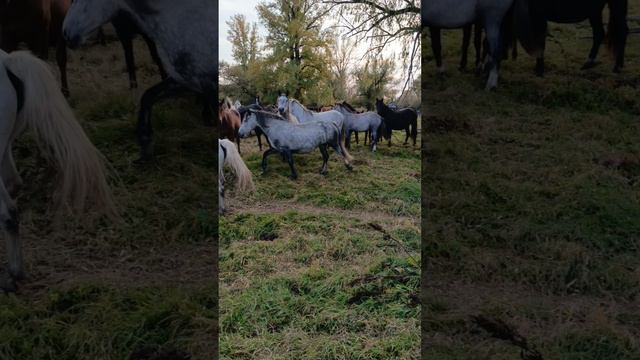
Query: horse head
x=85 y=17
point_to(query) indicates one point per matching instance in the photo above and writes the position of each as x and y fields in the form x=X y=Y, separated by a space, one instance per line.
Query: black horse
x=403 y=119
x=532 y=18
x=244 y=110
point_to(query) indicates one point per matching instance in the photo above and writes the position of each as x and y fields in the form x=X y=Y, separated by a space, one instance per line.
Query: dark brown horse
x=229 y=123
x=38 y=23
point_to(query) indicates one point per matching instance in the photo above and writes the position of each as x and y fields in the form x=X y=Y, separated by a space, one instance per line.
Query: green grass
x=112 y=291
x=532 y=204
x=304 y=275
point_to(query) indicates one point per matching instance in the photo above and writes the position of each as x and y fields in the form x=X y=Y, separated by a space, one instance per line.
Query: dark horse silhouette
x=38 y=23
x=532 y=18
x=406 y=119
x=187 y=41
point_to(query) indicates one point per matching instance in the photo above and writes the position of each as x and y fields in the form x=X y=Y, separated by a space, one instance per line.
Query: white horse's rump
x=228 y=155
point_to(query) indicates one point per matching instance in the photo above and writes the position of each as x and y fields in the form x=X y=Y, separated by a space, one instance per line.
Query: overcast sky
x=228 y=8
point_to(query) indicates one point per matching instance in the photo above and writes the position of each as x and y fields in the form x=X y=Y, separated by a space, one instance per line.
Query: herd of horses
x=507 y=22
x=291 y=128
x=31 y=98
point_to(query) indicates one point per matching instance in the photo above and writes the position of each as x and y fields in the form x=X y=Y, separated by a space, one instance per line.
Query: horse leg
x=126 y=40
x=325 y=159
x=366 y=135
x=390 y=136
x=294 y=174
x=220 y=195
x=144 y=131
x=153 y=51
x=477 y=44
x=598 y=36
x=347 y=139
x=357 y=140
x=258 y=135
x=374 y=140
x=10 y=226
x=406 y=139
x=466 y=39
x=539 y=70
x=10 y=175
x=493 y=36
x=61 y=58
x=436 y=46
x=264 y=158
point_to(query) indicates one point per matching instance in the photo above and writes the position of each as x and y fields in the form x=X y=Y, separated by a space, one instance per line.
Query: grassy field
x=532 y=204
x=137 y=290
x=303 y=274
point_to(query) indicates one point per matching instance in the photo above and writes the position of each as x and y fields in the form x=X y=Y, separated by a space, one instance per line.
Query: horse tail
x=524 y=28
x=347 y=156
x=244 y=177
x=82 y=168
x=617 y=29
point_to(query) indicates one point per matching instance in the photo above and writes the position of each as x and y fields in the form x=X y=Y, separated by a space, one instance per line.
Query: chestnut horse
x=38 y=23
x=229 y=123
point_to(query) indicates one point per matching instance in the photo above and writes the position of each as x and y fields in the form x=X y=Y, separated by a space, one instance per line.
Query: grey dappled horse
x=185 y=34
x=368 y=121
x=287 y=138
x=454 y=14
x=303 y=115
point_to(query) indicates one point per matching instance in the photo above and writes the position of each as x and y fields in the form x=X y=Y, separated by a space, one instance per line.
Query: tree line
x=309 y=57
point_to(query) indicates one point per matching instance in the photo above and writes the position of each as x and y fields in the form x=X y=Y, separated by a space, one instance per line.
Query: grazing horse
x=185 y=35
x=229 y=123
x=398 y=120
x=38 y=23
x=288 y=139
x=532 y=18
x=455 y=14
x=30 y=99
x=302 y=115
x=229 y=155
x=369 y=122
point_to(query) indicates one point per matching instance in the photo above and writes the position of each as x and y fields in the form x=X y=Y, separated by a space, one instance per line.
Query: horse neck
x=301 y=110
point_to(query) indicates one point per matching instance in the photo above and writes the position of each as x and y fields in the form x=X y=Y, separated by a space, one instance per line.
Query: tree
x=382 y=22
x=244 y=40
x=341 y=52
x=298 y=44
x=373 y=80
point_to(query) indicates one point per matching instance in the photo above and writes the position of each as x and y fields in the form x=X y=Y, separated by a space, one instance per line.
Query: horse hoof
x=589 y=65
x=617 y=70
x=65 y=92
x=293 y=177
x=8 y=284
x=143 y=159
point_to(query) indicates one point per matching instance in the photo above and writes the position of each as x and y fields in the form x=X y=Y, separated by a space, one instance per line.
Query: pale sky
x=228 y=8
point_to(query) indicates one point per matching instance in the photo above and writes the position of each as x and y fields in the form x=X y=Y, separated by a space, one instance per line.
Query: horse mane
x=262 y=116
x=348 y=106
x=302 y=106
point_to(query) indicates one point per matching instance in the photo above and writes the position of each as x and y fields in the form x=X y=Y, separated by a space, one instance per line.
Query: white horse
x=302 y=114
x=30 y=98
x=228 y=155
